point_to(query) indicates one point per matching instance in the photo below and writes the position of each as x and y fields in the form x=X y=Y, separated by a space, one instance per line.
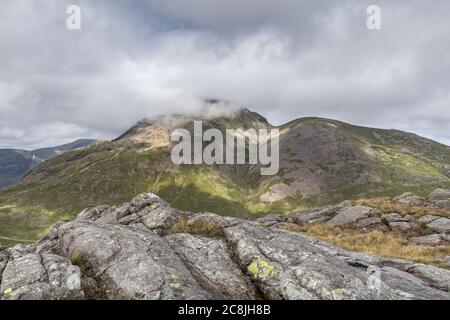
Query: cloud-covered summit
x=285 y=59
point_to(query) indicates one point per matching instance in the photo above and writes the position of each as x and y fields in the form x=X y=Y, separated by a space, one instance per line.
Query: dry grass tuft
x=76 y=256
x=388 y=205
x=375 y=242
x=180 y=227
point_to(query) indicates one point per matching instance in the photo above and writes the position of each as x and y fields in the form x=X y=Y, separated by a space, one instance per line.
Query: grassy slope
x=104 y=174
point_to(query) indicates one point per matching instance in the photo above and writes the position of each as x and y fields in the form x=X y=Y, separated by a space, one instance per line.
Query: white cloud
x=284 y=59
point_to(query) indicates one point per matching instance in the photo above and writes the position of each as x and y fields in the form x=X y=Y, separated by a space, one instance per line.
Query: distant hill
x=15 y=163
x=322 y=161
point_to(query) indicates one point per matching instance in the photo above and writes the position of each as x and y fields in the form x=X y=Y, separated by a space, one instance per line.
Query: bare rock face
x=395 y=217
x=129 y=263
x=292 y=266
x=430 y=240
x=440 y=225
x=369 y=222
x=316 y=215
x=144 y=250
x=284 y=266
x=439 y=194
x=33 y=276
x=146 y=209
x=212 y=265
x=350 y=215
x=408 y=198
x=428 y=218
x=445 y=260
x=399 y=225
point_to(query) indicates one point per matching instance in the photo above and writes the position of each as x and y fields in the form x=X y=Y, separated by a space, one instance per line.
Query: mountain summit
x=321 y=162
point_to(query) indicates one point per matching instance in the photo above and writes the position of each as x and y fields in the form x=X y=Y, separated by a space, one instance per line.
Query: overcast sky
x=285 y=59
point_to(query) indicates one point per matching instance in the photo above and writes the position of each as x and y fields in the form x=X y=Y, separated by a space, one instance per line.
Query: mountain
x=146 y=250
x=14 y=163
x=321 y=162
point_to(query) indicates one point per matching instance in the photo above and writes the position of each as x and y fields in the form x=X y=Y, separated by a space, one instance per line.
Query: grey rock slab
x=317 y=215
x=38 y=277
x=395 y=217
x=350 y=215
x=294 y=266
x=393 y=272
x=129 y=263
x=429 y=240
x=159 y=217
x=441 y=225
x=399 y=225
x=440 y=194
x=439 y=278
x=4 y=257
x=270 y=220
x=92 y=214
x=144 y=200
x=286 y=266
x=442 y=204
x=428 y=218
x=410 y=199
x=369 y=222
x=114 y=214
x=209 y=261
x=22 y=271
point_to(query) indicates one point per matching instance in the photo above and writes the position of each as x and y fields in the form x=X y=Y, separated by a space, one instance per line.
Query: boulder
x=350 y=215
x=316 y=215
x=428 y=218
x=439 y=194
x=129 y=263
x=4 y=257
x=286 y=265
x=37 y=277
x=369 y=222
x=410 y=199
x=399 y=225
x=144 y=200
x=209 y=261
x=441 y=225
x=159 y=217
x=92 y=214
x=442 y=204
x=270 y=220
x=115 y=214
x=439 y=278
x=147 y=209
x=430 y=240
x=395 y=217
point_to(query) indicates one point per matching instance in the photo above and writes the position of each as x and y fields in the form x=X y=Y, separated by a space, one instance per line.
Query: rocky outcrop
x=29 y=275
x=147 y=250
x=350 y=215
x=438 y=198
x=211 y=264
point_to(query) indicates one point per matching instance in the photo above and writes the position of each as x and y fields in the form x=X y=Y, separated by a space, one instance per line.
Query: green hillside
x=321 y=161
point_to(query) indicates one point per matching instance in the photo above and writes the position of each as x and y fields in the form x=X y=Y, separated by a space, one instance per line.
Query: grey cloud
x=285 y=59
